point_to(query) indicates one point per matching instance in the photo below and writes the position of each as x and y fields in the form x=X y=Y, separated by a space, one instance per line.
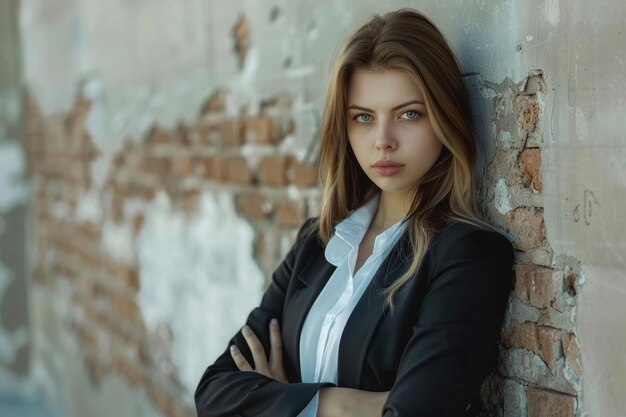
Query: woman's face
x=387 y=121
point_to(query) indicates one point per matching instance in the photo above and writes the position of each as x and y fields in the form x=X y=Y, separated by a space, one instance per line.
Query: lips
x=387 y=168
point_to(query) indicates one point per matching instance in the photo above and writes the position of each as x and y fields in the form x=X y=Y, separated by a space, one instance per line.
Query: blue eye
x=412 y=114
x=362 y=114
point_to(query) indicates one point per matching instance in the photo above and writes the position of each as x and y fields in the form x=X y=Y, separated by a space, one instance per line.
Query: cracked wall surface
x=170 y=151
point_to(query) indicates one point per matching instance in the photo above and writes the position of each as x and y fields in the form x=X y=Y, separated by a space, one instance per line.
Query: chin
x=393 y=189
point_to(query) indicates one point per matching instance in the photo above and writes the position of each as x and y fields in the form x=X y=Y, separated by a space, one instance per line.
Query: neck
x=392 y=207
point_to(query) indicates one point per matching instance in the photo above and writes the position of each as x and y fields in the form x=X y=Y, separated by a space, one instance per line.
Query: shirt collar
x=383 y=241
x=350 y=231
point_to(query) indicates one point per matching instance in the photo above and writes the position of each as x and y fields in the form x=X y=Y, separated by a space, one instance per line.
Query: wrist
x=332 y=402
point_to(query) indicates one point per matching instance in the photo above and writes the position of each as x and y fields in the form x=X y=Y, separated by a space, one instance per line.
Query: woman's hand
x=274 y=369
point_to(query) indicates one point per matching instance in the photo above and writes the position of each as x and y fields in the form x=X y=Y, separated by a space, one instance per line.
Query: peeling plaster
x=198 y=276
x=117 y=240
x=502 y=197
x=89 y=207
x=504 y=136
x=60 y=378
x=485 y=38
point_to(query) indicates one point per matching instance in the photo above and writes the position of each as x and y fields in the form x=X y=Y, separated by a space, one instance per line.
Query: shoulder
x=307 y=237
x=308 y=230
x=460 y=238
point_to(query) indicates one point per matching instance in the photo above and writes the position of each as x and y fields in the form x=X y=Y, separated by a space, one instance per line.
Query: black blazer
x=433 y=352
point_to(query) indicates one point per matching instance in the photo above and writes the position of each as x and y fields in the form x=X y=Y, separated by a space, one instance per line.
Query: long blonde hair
x=407 y=41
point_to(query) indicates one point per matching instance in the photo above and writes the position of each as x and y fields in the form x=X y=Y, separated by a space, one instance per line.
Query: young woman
x=391 y=301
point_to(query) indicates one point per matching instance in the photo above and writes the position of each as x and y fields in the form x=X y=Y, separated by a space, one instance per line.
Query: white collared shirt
x=324 y=324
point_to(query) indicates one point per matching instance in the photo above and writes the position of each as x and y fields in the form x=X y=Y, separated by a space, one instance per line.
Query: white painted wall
x=198 y=277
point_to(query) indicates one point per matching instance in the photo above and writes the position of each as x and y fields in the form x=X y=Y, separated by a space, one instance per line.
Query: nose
x=385 y=138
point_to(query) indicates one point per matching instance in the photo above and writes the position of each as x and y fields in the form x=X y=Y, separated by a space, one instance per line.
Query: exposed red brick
x=183 y=134
x=128 y=369
x=289 y=213
x=535 y=285
x=528 y=225
x=126 y=308
x=66 y=272
x=138 y=222
x=86 y=334
x=214 y=104
x=130 y=277
x=549 y=404
x=118 y=160
x=117 y=207
x=72 y=247
x=571 y=284
x=128 y=145
x=544 y=341
x=207 y=133
x=206 y=165
x=139 y=190
x=571 y=348
x=123 y=336
x=216 y=167
x=261 y=130
x=156 y=164
x=183 y=166
x=527 y=111
x=238 y=170
x=241 y=34
x=303 y=175
x=188 y=200
x=164 y=400
x=145 y=356
x=158 y=134
x=273 y=170
x=75 y=119
x=231 y=132
x=530 y=164
x=98 y=290
x=254 y=206
x=89 y=231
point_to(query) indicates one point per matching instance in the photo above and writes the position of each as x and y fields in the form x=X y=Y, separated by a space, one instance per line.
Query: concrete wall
x=170 y=147
x=14 y=318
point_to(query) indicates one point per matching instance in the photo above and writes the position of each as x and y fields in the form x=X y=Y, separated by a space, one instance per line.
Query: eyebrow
x=354 y=106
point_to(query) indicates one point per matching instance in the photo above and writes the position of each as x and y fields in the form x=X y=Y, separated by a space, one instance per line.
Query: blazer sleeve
x=224 y=390
x=454 y=339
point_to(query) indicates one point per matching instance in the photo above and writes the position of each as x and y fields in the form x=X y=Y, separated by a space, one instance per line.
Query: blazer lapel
x=360 y=327
x=364 y=319
x=313 y=277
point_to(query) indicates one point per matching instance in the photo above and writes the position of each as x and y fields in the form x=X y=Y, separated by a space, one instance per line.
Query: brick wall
x=539 y=370
x=242 y=156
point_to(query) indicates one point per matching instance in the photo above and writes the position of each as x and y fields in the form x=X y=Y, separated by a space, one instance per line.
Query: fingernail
x=233 y=348
x=274 y=322
x=245 y=329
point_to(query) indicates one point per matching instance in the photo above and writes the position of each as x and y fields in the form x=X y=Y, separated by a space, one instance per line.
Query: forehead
x=381 y=88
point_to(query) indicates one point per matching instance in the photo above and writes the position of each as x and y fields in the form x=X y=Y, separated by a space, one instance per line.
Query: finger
x=239 y=359
x=276 y=354
x=258 y=353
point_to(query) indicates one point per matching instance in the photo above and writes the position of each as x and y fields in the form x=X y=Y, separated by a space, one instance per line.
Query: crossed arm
x=333 y=401
x=452 y=347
